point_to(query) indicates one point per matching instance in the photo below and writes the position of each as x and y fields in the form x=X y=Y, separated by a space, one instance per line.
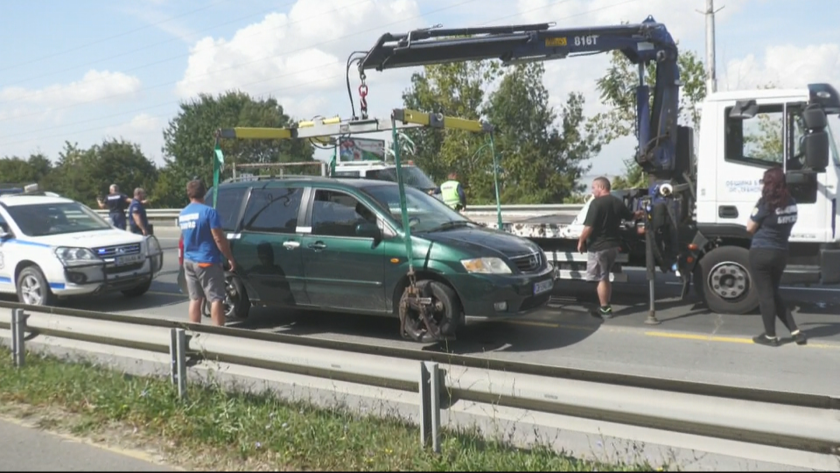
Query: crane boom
x=641 y=43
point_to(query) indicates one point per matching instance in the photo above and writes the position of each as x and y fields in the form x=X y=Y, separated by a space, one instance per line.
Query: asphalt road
x=691 y=343
x=24 y=449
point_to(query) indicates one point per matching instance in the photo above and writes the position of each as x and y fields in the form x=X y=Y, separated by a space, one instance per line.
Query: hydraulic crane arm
x=640 y=43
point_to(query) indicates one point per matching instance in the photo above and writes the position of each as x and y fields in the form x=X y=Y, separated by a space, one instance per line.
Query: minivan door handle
x=291 y=245
x=318 y=245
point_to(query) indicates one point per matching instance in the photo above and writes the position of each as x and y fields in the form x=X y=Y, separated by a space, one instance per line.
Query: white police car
x=53 y=247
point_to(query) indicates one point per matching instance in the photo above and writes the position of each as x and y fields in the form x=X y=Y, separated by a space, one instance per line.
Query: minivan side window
x=230 y=203
x=273 y=210
x=337 y=214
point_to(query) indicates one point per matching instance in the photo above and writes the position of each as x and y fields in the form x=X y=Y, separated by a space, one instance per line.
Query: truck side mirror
x=744 y=109
x=816 y=138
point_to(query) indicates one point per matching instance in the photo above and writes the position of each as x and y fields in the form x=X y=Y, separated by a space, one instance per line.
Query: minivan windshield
x=56 y=219
x=412 y=176
x=424 y=211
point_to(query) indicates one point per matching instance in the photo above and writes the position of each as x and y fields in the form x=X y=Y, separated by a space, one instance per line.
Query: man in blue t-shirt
x=204 y=244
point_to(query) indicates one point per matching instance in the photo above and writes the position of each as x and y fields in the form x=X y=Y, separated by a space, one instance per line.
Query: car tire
x=237 y=303
x=138 y=291
x=723 y=281
x=449 y=312
x=32 y=279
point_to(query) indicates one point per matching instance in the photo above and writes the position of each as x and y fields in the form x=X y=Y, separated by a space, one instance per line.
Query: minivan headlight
x=76 y=256
x=486 y=266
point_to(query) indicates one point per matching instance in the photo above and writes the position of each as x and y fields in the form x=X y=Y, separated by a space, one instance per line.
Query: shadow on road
x=473 y=338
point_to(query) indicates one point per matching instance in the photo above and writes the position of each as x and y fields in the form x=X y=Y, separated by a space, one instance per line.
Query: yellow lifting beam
x=322 y=129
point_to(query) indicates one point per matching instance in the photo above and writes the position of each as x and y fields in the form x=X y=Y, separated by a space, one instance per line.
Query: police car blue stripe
x=27 y=243
x=53 y=285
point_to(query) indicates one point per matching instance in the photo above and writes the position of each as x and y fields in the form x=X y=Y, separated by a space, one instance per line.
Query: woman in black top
x=771 y=222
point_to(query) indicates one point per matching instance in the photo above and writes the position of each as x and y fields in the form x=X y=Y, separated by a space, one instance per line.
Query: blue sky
x=85 y=70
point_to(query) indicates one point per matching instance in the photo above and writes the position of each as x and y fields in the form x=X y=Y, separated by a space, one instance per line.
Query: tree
x=19 y=171
x=541 y=162
x=189 y=140
x=456 y=89
x=83 y=175
x=617 y=90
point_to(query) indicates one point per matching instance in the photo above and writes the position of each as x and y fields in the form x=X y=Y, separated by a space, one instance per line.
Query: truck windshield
x=834 y=138
x=412 y=176
x=426 y=212
x=56 y=219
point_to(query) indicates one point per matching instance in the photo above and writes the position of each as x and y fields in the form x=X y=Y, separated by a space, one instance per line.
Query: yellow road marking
x=743 y=340
x=161 y=293
x=535 y=324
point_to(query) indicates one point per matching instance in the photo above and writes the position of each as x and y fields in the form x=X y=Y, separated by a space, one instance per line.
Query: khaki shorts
x=205 y=282
x=600 y=263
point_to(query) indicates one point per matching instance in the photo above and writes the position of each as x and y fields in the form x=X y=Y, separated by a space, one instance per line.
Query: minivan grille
x=528 y=263
x=122 y=250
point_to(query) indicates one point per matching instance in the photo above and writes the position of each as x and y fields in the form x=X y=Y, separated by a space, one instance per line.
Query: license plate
x=543 y=286
x=129 y=259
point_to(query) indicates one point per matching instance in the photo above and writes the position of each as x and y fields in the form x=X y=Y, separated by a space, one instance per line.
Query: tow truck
x=696 y=207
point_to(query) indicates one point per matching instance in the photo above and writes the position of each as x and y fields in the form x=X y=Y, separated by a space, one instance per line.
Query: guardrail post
x=430 y=405
x=178 y=355
x=18 y=336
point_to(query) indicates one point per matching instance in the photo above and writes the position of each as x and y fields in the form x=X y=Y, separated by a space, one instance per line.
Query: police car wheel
x=33 y=289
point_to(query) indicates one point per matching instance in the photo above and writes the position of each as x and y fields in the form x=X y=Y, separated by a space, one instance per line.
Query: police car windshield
x=412 y=176
x=55 y=219
x=427 y=213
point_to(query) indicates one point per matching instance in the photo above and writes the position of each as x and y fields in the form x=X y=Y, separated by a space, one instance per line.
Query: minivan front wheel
x=237 y=305
x=444 y=313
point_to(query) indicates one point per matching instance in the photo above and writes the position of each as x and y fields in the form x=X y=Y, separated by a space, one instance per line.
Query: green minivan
x=337 y=244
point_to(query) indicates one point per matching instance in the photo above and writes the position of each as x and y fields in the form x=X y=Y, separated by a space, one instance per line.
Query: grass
x=218 y=429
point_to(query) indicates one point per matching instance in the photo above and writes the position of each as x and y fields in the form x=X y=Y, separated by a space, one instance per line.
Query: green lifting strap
x=409 y=251
x=218 y=162
x=496 y=179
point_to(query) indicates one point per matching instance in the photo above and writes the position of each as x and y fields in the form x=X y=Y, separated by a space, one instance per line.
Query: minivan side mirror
x=816 y=138
x=369 y=230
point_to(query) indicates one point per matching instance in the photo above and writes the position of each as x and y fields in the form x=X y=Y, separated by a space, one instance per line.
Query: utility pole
x=711 y=75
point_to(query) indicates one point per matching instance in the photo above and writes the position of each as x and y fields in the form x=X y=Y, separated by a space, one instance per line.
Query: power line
x=126 y=53
x=143 y=66
x=125 y=33
x=306 y=70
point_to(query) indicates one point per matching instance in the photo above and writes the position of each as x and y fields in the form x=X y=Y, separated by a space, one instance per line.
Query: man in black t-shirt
x=601 y=238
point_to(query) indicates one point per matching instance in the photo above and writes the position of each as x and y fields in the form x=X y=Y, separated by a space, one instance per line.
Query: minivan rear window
x=230 y=202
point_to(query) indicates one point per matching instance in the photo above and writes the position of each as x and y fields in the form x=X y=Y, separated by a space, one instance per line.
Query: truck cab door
x=770 y=137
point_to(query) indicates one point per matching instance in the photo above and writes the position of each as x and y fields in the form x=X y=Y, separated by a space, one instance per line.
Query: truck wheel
x=32 y=288
x=723 y=280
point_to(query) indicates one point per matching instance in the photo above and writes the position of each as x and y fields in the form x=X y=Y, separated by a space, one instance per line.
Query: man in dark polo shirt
x=601 y=239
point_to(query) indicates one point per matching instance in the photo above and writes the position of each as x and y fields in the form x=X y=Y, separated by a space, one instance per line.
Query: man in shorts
x=601 y=239
x=204 y=244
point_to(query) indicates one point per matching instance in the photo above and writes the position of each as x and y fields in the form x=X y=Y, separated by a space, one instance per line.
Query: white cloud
x=95 y=86
x=145 y=130
x=681 y=18
x=784 y=66
x=290 y=55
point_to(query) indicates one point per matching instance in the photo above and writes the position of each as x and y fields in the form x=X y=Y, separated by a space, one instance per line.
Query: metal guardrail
x=744 y=414
x=156 y=214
